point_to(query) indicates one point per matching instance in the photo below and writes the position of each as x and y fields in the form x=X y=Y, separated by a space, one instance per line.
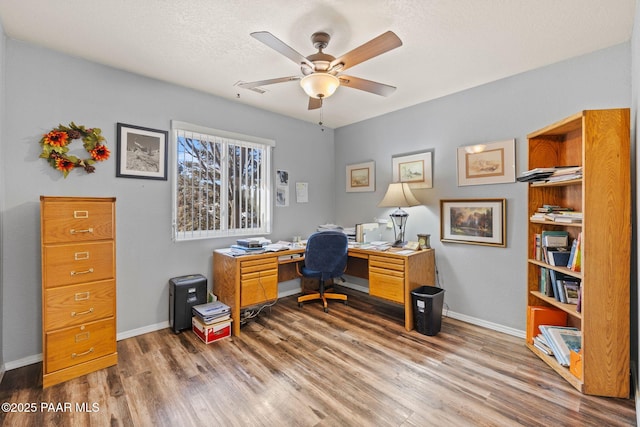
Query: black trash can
x=427 y=309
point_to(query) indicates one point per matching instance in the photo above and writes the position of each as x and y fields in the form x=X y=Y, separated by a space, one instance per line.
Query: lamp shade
x=320 y=85
x=398 y=195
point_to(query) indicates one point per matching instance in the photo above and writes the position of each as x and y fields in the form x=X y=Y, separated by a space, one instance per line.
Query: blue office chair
x=325 y=258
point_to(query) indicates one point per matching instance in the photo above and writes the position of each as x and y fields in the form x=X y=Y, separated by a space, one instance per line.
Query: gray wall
x=44 y=89
x=482 y=284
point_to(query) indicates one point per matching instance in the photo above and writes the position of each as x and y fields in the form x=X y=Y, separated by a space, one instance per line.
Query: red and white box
x=213 y=332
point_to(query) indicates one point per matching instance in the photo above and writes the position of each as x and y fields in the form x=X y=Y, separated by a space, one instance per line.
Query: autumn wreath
x=55 y=145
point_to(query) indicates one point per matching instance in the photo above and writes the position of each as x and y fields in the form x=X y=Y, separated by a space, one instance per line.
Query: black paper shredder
x=184 y=293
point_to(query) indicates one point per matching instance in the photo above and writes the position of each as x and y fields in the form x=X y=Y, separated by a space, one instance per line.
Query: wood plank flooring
x=353 y=366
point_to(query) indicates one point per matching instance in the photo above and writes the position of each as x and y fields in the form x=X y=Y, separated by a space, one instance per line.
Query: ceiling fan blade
x=374 y=47
x=315 y=103
x=278 y=45
x=366 y=85
x=254 y=85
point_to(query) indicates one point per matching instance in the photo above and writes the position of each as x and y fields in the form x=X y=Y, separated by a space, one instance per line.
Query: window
x=222 y=183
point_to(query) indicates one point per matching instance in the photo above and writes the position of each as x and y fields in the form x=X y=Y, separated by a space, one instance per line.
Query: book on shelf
x=558 y=290
x=558 y=173
x=541 y=343
x=559 y=257
x=571 y=290
x=575 y=257
x=562 y=339
x=553 y=208
x=553 y=239
x=536 y=248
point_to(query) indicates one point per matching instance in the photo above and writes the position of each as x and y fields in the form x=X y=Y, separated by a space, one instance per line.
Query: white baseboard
x=141 y=331
x=29 y=360
x=489 y=325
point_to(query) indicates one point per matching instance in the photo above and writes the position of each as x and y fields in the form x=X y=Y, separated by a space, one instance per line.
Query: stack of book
x=556 y=213
x=554 y=174
x=561 y=340
x=566 y=174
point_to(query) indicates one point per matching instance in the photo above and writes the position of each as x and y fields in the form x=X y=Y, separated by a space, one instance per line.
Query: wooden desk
x=248 y=280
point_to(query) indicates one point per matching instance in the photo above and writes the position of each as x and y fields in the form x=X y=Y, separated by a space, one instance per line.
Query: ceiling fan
x=321 y=72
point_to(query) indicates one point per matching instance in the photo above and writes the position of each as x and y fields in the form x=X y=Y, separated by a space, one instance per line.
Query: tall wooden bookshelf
x=599 y=141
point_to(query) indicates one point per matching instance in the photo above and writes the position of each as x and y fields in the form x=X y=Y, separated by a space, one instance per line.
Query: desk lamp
x=399 y=195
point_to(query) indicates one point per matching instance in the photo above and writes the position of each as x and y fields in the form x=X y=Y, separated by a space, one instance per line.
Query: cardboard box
x=212 y=332
x=539 y=315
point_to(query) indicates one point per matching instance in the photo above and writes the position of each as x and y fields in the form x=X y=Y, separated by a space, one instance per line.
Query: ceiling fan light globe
x=320 y=85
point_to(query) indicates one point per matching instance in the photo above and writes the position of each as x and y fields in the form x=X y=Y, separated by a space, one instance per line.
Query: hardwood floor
x=353 y=366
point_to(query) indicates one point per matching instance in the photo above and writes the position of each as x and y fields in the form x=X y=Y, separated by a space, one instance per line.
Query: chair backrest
x=326 y=252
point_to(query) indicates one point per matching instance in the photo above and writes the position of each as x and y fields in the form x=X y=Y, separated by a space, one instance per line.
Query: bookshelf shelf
x=557 y=184
x=562 y=370
x=599 y=142
x=565 y=270
x=563 y=224
x=568 y=308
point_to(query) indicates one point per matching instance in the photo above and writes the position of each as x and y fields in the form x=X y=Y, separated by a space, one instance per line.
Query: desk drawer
x=78 y=263
x=261 y=264
x=79 y=344
x=385 y=285
x=387 y=263
x=75 y=221
x=72 y=305
x=257 y=288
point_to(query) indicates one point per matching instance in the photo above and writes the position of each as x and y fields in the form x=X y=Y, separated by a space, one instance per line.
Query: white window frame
x=266 y=192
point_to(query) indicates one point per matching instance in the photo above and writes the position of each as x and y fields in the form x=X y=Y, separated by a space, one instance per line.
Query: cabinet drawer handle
x=86 y=230
x=74 y=273
x=81 y=313
x=82 y=296
x=81 y=214
x=80 y=256
x=74 y=355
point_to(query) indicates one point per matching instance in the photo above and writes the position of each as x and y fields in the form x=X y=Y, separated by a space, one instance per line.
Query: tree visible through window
x=221 y=183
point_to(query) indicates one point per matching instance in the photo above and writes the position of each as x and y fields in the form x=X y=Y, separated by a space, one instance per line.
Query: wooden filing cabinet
x=78 y=286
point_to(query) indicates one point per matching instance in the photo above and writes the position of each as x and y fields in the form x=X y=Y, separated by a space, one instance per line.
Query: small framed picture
x=142 y=152
x=415 y=169
x=473 y=221
x=361 y=177
x=490 y=163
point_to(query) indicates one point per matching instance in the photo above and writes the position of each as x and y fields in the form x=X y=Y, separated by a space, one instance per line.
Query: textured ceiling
x=448 y=45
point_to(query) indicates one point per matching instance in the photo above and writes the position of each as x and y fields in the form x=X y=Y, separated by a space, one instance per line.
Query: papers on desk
x=404 y=252
x=376 y=246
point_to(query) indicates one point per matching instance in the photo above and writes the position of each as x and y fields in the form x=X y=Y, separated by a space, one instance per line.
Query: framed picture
x=142 y=152
x=415 y=169
x=473 y=221
x=361 y=177
x=490 y=163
